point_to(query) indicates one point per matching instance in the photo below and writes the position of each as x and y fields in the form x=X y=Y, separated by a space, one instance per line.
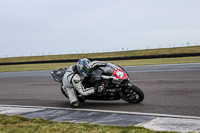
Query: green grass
x=51 y=66
x=178 y=50
x=158 y=61
x=19 y=124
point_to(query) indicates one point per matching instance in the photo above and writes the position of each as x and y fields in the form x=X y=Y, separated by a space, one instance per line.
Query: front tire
x=132 y=94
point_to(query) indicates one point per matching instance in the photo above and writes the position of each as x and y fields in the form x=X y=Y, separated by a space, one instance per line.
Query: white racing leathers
x=72 y=81
x=95 y=64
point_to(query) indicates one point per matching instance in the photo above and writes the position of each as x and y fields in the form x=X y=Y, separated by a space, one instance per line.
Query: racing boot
x=74 y=104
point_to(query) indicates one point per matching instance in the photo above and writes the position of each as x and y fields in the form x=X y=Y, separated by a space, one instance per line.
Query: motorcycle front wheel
x=132 y=94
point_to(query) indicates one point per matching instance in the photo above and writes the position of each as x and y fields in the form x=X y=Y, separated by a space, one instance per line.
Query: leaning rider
x=74 y=77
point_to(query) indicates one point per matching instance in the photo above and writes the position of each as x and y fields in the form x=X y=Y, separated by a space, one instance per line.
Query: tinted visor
x=86 y=70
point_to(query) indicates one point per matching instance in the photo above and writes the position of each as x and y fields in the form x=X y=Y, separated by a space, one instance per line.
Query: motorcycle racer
x=74 y=77
x=96 y=81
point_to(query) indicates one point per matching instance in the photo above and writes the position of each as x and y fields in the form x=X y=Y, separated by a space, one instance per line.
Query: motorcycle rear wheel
x=132 y=94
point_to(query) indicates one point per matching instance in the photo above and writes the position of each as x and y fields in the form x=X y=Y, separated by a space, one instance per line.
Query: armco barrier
x=107 y=59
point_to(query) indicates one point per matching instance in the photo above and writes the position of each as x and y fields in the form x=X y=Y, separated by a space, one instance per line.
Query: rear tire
x=132 y=94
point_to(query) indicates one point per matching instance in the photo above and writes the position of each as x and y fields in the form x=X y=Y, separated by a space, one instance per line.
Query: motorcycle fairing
x=119 y=74
x=58 y=74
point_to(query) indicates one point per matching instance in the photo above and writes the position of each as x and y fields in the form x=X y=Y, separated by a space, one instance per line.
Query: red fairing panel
x=119 y=74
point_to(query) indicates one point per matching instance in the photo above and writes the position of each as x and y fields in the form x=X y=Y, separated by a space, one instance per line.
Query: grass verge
x=19 y=124
x=177 y=50
x=51 y=66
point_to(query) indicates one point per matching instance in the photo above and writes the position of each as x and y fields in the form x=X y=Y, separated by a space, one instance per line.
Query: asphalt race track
x=169 y=89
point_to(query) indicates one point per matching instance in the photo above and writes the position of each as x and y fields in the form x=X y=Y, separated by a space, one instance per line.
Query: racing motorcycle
x=115 y=80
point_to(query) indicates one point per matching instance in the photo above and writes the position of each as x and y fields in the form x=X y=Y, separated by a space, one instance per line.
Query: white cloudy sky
x=63 y=26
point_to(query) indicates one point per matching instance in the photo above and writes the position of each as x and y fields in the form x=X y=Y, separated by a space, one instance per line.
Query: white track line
x=108 y=111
